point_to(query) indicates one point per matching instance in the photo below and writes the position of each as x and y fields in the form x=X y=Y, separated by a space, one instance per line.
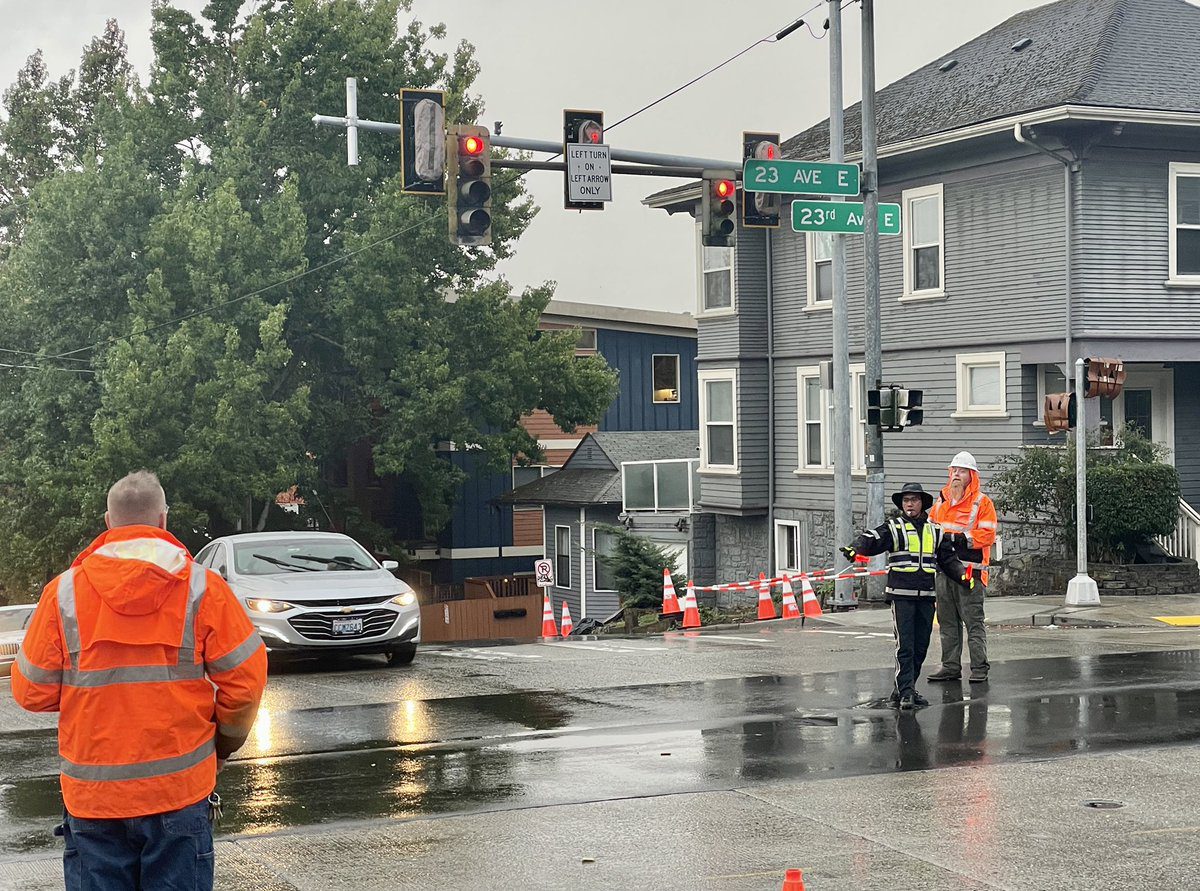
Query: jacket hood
x=134 y=569
x=969 y=492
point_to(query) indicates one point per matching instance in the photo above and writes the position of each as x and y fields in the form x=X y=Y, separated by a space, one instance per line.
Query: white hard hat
x=965 y=459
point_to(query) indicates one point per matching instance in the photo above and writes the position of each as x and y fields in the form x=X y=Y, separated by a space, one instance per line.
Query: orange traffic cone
x=670 y=601
x=793 y=880
x=548 y=629
x=790 y=609
x=766 y=606
x=691 y=611
x=812 y=606
x=567 y=625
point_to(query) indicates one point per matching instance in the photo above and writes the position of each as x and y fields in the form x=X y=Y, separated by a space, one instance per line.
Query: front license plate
x=347 y=626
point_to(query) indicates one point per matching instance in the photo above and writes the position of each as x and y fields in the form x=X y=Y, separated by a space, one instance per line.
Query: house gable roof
x=1136 y=54
x=1104 y=53
x=597 y=480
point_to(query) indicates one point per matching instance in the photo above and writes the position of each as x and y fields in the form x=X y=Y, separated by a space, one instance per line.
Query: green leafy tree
x=193 y=280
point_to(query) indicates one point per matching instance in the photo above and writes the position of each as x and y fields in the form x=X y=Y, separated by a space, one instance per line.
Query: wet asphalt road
x=519 y=748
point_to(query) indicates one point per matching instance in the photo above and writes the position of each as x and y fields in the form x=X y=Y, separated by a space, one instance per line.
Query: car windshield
x=14 y=619
x=299 y=555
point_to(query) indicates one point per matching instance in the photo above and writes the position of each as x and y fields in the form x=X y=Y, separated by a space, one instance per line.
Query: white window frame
x=1042 y=392
x=692 y=493
x=810 y=263
x=678 y=379
x=703 y=378
x=1176 y=170
x=595 y=568
x=558 y=582
x=588 y=340
x=858 y=432
x=542 y=468
x=779 y=566
x=718 y=312
x=906 y=199
x=963 y=363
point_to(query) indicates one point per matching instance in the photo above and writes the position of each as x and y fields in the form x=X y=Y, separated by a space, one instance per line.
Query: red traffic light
x=472 y=145
x=591 y=131
x=766 y=151
x=723 y=188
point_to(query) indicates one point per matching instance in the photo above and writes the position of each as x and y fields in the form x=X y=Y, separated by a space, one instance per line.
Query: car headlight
x=408 y=598
x=260 y=605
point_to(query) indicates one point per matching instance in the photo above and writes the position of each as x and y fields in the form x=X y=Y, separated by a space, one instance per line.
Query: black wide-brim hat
x=913 y=489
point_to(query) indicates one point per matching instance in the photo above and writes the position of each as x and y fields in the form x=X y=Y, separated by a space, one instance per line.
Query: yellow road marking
x=1180 y=621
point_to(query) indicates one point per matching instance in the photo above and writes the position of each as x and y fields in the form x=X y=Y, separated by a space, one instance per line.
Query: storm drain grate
x=1104 y=805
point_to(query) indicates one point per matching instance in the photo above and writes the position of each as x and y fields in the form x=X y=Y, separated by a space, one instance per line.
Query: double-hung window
x=924 y=242
x=820 y=269
x=981 y=385
x=816 y=420
x=716 y=278
x=1184 y=203
x=718 y=421
x=562 y=556
x=604 y=544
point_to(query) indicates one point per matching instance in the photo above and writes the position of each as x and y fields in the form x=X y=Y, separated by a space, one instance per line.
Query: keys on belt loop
x=214 y=809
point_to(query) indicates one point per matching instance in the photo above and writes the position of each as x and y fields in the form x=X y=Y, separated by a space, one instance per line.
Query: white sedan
x=318 y=593
x=13 y=622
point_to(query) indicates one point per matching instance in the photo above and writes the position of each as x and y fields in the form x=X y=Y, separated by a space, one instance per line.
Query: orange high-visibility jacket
x=155 y=668
x=973 y=515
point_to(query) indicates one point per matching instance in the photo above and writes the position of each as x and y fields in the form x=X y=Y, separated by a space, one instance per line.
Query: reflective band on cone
x=567 y=625
x=766 y=606
x=812 y=606
x=691 y=612
x=790 y=609
x=548 y=629
x=671 y=605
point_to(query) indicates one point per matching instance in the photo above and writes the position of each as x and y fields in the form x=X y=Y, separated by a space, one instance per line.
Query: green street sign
x=841 y=216
x=800 y=178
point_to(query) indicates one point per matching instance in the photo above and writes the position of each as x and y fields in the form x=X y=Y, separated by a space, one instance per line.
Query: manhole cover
x=1102 y=805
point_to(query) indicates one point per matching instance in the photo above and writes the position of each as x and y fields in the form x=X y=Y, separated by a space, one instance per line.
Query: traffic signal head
x=718 y=205
x=422 y=142
x=881 y=408
x=470 y=198
x=581 y=128
x=1103 y=377
x=760 y=210
x=1058 y=412
x=909 y=410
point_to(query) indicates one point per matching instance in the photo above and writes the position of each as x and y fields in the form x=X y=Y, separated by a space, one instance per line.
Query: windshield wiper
x=339 y=560
x=292 y=566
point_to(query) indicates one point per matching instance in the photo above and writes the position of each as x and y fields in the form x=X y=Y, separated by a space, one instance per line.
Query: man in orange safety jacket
x=968 y=518
x=157 y=673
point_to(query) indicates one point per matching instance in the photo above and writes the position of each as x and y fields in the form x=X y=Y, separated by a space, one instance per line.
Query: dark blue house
x=654 y=353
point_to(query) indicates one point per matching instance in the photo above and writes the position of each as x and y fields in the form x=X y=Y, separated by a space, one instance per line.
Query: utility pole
x=873 y=347
x=1081 y=590
x=842 y=453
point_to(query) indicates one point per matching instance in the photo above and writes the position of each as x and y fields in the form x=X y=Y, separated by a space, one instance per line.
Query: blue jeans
x=162 y=852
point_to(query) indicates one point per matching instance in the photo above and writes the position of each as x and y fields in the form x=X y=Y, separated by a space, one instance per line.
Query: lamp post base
x=1082 y=591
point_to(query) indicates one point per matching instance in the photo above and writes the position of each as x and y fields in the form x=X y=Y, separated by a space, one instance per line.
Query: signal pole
x=842 y=453
x=873 y=348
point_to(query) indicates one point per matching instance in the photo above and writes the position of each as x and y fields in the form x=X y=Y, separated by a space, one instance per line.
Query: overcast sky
x=540 y=56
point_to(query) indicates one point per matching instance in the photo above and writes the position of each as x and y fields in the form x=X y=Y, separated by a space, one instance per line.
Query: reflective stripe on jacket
x=973 y=515
x=912 y=563
x=155 y=668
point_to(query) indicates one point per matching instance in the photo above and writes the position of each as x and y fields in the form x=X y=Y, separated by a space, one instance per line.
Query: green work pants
x=958 y=607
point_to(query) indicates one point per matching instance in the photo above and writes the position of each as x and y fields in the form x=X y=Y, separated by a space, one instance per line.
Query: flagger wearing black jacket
x=916 y=549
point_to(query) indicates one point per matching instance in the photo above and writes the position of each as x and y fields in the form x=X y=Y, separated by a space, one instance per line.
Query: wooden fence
x=485 y=608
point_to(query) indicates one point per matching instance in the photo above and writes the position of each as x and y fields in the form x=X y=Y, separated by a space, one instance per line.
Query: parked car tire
x=402 y=655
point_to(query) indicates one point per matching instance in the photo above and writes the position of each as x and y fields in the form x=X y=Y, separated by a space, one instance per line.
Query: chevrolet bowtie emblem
x=347 y=609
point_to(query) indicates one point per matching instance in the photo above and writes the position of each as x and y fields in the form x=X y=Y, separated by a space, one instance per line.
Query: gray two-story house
x=1049 y=177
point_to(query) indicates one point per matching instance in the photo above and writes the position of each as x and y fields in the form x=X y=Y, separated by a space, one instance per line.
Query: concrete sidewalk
x=1117 y=612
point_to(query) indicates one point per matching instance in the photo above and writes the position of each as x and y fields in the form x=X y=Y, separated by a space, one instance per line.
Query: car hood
x=11 y=637
x=314 y=585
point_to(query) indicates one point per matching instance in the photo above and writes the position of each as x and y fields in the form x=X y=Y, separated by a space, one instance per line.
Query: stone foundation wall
x=742 y=552
x=1050 y=576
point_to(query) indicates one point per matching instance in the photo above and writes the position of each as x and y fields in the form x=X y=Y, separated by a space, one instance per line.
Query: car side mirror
x=390 y=565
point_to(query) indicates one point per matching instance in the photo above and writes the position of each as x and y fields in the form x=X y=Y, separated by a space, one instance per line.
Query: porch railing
x=1185 y=540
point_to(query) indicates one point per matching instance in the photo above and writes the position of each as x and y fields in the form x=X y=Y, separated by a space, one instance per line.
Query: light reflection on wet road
x=414 y=757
